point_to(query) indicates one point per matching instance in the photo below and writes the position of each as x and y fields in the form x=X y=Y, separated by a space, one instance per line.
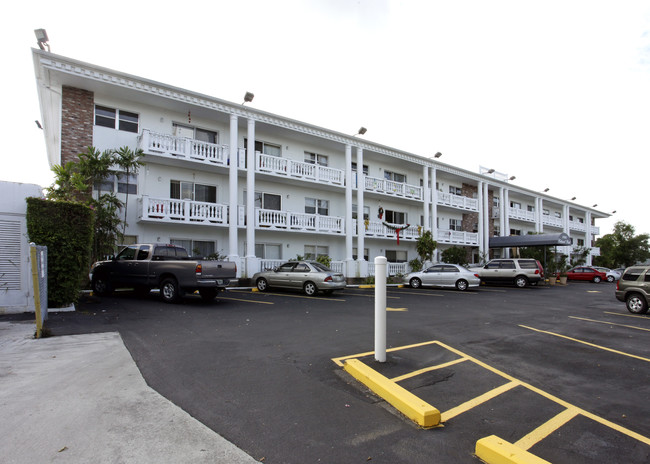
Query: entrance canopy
x=531 y=240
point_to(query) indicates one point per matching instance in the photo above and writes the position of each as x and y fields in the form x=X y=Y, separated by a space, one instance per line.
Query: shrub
x=66 y=228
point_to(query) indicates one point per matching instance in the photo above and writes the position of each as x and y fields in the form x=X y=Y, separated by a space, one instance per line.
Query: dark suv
x=634 y=289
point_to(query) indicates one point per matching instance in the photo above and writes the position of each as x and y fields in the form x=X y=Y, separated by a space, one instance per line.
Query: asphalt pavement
x=82 y=399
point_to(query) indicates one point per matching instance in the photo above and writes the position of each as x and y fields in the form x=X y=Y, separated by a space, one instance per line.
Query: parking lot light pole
x=380 y=308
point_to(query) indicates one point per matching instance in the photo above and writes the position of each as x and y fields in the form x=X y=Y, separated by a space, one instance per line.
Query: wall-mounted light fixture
x=248 y=97
x=512 y=177
x=41 y=38
x=437 y=155
x=362 y=130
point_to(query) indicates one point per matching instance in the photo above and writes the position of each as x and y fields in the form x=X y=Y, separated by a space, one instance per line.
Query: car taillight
x=328 y=279
x=199 y=269
x=476 y=275
x=536 y=271
x=617 y=285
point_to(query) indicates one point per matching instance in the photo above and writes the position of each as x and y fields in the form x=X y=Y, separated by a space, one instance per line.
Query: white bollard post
x=380 y=308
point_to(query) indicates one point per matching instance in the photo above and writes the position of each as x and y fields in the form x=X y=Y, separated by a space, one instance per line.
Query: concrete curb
x=494 y=450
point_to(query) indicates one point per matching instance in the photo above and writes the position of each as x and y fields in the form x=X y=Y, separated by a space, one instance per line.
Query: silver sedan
x=310 y=276
x=444 y=275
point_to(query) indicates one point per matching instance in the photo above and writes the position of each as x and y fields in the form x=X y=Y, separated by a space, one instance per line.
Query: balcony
x=552 y=221
x=298 y=170
x=457 y=201
x=389 y=187
x=522 y=215
x=577 y=225
x=380 y=230
x=168 y=146
x=457 y=237
x=298 y=222
x=173 y=211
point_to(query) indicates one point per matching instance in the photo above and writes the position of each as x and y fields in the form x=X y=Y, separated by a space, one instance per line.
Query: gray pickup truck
x=159 y=265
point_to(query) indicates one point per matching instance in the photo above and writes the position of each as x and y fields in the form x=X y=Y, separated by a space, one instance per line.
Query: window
x=181 y=190
x=581 y=242
x=558 y=214
x=365 y=168
x=455 y=190
x=395 y=217
x=581 y=220
x=128 y=253
x=495 y=202
x=267 y=201
x=497 y=230
x=507 y=264
x=530 y=208
x=315 y=158
x=366 y=212
x=266 y=148
x=109 y=117
x=204 y=135
x=314 y=251
x=455 y=224
x=396 y=256
x=203 y=248
x=316 y=206
x=395 y=177
x=366 y=253
x=515 y=231
x=268 y=250
x=301 y=267
x=571 y=217
x=546 y=212
x=117 y=182
x=515 y=205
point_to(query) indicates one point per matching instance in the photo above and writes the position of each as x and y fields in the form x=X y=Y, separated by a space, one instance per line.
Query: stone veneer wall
x=77 y=118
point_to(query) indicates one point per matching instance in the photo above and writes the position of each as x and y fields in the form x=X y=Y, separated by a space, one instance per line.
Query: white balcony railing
x=553 y=221
x=172 y=210
x=521 y=214
x=296 y=169
x=379 y=230
x=392 y=269
x=577 y=225
x=457 y=237
x=286 y=220
x=457 y=201
x=389 y=187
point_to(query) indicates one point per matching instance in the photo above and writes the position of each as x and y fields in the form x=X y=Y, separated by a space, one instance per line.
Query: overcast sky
x=556 y=93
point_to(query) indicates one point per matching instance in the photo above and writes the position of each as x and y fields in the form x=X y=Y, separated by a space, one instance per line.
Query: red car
x=586 y=273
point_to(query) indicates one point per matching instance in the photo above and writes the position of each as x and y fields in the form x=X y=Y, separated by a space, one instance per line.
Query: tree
x=622 y=247
x=454 y=255
x=129 y=161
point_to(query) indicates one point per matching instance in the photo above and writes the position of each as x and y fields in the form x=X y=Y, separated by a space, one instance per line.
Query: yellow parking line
x=427 y=369
x=467 y=405
x=247 y=301
x=339 y=360
x=396 y=309
x=610 y=323
x=629 y=315
x=588 y=344
x=547 y=428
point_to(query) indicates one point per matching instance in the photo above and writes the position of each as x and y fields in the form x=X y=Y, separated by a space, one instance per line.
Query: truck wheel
x=102 y=286
x=208 y=294
x=169 y=290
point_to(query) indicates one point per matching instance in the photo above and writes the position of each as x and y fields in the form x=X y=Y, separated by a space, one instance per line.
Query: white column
x=252 y=262
x=486 y=221
x=565 y=214
x=539 y=209
x=361 y=229
x=588 y=236
x=350 y=265
x=481 y=213
x=233 y=254
x=434 y=211
x=506 y=220
x=426 y=192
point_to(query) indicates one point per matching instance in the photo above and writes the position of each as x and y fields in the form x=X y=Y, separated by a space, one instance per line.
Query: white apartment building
x=222 y=177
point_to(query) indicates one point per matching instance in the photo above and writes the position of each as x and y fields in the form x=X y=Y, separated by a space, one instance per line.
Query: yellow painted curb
x=366 y=286
x=404 y=401
x=495 y=450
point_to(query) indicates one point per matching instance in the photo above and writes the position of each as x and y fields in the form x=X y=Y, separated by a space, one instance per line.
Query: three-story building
x=221 y=177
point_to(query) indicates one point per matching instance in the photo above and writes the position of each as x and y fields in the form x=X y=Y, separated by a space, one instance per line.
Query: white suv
x=517 y=271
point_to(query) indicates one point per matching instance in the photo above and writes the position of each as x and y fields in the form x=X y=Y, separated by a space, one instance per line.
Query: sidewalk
x=81 y=398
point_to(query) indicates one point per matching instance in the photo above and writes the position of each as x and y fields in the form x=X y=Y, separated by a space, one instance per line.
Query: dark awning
x=530 y=240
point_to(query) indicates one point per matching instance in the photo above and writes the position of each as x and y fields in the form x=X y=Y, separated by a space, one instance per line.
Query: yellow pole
x=37 y=291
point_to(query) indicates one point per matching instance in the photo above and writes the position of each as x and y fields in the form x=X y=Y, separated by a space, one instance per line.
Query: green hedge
x=66 y=229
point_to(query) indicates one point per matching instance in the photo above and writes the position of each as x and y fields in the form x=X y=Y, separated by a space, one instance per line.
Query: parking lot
x=560 y=371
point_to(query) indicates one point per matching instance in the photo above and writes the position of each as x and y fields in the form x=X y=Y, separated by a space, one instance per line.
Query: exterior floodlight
x=573 y=198
x=490 y=171
x=437 y=155
x=41 y=38
x=614 y=212
x=512 y=177
x=595 y=205
x=38 y=124
x=546 y=189
x=362 y=130
x=248 y=97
